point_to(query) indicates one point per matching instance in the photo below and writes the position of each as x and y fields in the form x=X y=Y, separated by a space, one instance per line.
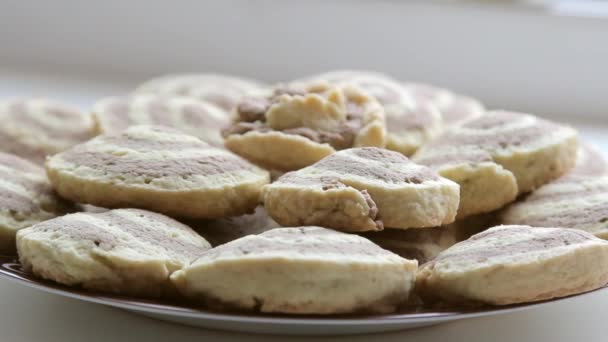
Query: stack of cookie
x=343 y=192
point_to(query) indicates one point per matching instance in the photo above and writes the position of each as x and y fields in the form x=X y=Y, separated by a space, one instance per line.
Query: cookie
x=425 y=244
x=26 y=198
x=125 y=251
x=305 y=270
x=499 y=155
x=515 y=264
x=160 y=169
x=411 y=121
x=298 y=125
x=34 y=128
x=195 y=117
x=362 y=189
x=221 y=231
x=577 y=200
x=454 y=108
x=222 y=90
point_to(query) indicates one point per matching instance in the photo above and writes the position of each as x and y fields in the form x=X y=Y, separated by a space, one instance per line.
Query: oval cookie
x=195 y=117
x=34 y=128
x=159 y=169
x=411 y=121
x=222 y=90
x=498 y=156
x=300 y=124
x=515 y=264
x=577 y=200
x=306 y=270
x=26 y=198
x=362 y=189
x=125 y=251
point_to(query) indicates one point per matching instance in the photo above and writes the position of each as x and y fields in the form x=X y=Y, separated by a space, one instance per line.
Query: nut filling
x=252 y=116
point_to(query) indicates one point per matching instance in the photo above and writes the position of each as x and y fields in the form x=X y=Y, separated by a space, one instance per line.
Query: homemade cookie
x=195 y=117
x=425 y=244
x=362 y=189
x=33 y=128
x=306 y=270
x=411 y=121
x=221 y=90
x=577 y=200
x=221 y=231
x=160 y=169
x=26 y=198
x=126 y=251
x=454 y=108
x=498 y=156
x=298 y=125
x=515 y=264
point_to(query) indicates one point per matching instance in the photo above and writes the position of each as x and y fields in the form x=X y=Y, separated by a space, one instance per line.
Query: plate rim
x=202 y=314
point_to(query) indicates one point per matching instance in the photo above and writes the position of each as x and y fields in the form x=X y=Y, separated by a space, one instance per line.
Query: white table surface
x=30 y=315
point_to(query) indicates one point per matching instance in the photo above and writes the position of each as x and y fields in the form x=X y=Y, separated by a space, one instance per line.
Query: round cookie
x=299 y=125
x=411 y=121
x=362 y=189
x=425 y=244
x=159 y=169
x=454 y=108
x=306 y=270
x=26 y=198
x=499 y=155
x=222 y=90
x=515 y=264
x=221 y=231
x=34 y=128
x=125 y=251
x=577 y=200
x=195 y=117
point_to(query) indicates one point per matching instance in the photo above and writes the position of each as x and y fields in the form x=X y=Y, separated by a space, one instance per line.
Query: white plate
x=268 y=324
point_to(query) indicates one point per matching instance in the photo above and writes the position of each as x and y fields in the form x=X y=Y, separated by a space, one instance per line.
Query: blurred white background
x=510 y=57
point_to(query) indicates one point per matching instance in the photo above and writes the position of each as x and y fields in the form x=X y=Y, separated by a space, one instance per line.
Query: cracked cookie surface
x=362 y=189
x=411 y=120
x=297 y=125
x=499 y=155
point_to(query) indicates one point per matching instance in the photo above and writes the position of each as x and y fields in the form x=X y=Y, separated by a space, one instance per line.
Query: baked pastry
x=425 y=244
x=499 y=155
x=305 y=270
x=515 y=264
x=362 y=189
x=26 y=198
x=192 y=116
x=222 y=90
x=454 y=108
x=299 y=125
x=159 y=169
x=33 y=128
x=411 y=120
x=577 y=200
x=221 y=231
x=126 y=251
